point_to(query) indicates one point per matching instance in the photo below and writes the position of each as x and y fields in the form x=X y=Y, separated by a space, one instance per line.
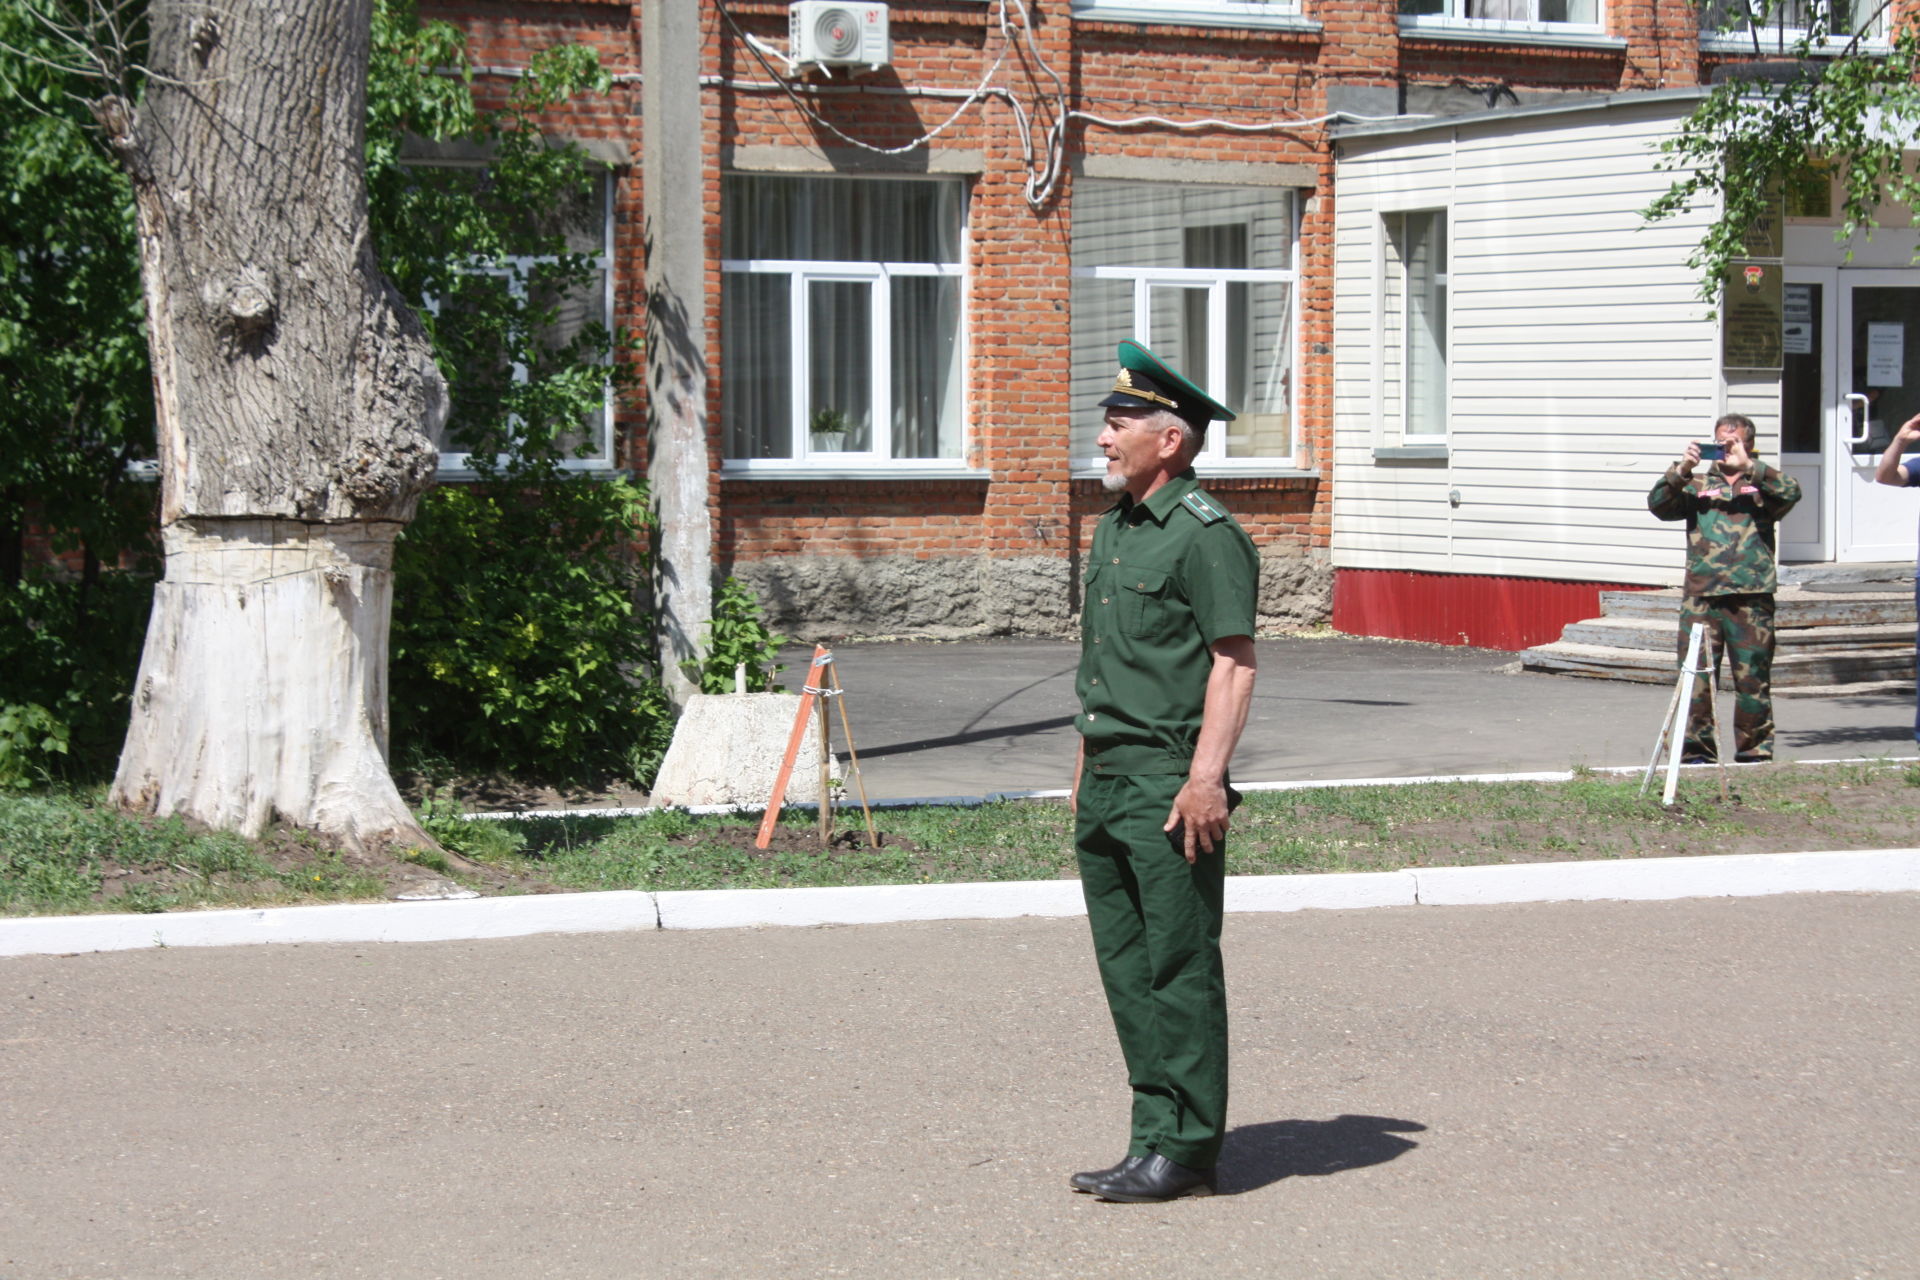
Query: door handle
x=1860 y=436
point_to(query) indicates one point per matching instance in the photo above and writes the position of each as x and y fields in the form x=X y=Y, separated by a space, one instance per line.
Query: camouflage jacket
x=1729 y=528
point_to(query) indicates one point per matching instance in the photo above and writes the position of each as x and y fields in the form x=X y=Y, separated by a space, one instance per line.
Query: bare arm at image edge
x=1201 y=806
x=1890 y=470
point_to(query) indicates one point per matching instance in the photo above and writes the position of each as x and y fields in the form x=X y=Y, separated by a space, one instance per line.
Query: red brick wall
x=1018 y=263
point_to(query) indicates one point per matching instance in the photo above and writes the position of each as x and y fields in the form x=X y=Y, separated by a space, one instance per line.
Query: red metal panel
x=1464 y=609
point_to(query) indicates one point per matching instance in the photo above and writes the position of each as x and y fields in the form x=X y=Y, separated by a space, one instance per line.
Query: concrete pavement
x=1594 y=1090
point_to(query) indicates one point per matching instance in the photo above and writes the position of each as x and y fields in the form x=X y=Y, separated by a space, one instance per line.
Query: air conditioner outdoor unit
x=832 y=33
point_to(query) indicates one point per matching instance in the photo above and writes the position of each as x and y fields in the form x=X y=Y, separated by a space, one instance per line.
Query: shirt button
x=1141 y=586
x=1104 y=600
x=1096 y=680
x=1116 y=559
x=1091 y=716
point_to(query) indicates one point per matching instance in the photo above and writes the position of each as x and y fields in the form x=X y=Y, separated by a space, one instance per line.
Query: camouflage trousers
x=1741 y=627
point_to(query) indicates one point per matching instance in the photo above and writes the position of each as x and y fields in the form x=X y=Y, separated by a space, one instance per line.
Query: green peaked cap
x=1148 y=382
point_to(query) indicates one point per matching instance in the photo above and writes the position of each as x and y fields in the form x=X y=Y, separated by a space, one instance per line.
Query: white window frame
x=1214 y=280
x=1456 y=21
x=1776 y=38
x=802 y=274
x=1398 y=325
x=458 y=464
x=877 y=460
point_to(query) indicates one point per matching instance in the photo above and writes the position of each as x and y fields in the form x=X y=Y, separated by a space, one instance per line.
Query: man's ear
x=1172 y=441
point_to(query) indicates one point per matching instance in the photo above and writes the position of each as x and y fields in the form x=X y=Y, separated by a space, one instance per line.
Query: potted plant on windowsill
x=827 y=431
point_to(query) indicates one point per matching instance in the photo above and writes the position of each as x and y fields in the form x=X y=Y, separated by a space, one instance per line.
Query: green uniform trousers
x=1156 y=934
x=1741 y=627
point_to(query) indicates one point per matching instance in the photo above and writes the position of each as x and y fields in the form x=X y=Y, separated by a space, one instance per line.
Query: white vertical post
x=1676 y=739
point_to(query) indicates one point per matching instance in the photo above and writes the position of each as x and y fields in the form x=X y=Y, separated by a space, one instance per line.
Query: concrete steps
x=1837 y=626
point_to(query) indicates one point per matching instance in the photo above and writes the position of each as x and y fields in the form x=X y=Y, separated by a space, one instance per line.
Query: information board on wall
x=1752 y=316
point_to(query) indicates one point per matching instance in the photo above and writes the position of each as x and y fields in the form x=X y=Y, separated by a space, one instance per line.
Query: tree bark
x=293 y=389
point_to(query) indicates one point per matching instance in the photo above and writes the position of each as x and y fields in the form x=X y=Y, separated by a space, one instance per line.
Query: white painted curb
x=506 y=917
x=1736 y=875
x=1651 y=879
x=868 y=904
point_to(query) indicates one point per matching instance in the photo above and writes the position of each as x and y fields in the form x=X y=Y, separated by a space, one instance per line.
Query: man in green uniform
x=1166 y=677
x=1731 y=511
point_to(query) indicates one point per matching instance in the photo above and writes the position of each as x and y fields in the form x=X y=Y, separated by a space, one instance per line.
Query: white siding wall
x=1580 y=356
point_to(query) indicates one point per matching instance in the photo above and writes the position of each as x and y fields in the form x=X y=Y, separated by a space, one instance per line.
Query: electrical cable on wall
x=1042 y=174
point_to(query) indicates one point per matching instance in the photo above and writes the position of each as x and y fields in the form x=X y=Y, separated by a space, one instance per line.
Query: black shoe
x=1155 y=1179
x=1696 y=759
x=1091 y=1180
x=1753 y=757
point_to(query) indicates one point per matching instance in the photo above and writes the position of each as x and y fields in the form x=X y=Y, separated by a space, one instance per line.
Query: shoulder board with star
x=1204 y=507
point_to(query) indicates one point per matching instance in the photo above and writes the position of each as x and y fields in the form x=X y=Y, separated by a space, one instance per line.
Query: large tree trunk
x=294 y=389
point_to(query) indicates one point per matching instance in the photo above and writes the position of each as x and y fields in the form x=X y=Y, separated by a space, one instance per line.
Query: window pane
x=1801 y=405
x=757 y=378
x=1145 y=224
x=840 y=351
x=1177 y=332
x=1102 y=317
x=1421 y=247
x=840 y=219
x=471 y=328
x=926 y=367
x=575 y=334
x=1586 y=12
x=1418 y=8
x=1263 y=395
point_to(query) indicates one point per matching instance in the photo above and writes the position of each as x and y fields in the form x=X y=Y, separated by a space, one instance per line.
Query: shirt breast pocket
x=1143 y=600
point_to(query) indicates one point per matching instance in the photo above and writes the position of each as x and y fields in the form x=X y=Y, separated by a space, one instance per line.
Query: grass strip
x=67 y=853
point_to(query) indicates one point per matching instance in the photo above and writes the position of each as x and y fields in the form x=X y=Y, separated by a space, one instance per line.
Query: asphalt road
x=1660 y=1090
x=975 y=717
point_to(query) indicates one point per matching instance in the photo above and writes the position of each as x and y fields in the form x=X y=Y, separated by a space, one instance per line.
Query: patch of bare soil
x=499 y=793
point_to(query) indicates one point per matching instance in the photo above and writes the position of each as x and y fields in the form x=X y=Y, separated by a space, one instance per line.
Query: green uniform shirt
x=1167 y=578
x=1729 y=526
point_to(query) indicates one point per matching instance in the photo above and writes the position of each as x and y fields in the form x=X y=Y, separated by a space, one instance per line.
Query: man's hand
x=1201 y=810
x=1738 y=460
x=1689 y=460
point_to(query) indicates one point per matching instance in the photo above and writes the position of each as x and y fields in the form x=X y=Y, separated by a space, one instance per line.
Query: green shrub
x=516 y=642
x=737 y=637
x=69 y=652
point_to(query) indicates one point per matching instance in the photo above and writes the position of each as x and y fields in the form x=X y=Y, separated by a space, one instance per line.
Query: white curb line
x=1733 y=875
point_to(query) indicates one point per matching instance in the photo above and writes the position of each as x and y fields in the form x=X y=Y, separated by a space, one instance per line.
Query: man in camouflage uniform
x=1731 y=510
x=1165 y=681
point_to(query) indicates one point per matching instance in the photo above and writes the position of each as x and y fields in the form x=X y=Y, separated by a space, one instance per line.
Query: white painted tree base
x=262 y=692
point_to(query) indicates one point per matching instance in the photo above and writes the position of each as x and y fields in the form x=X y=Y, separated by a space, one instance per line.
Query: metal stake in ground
x=853 y=758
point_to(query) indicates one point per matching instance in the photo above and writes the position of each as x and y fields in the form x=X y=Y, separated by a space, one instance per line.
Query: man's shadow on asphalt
x=1257 y=1155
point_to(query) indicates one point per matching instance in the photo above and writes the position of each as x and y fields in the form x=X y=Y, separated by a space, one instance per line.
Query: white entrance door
x=1879 y=370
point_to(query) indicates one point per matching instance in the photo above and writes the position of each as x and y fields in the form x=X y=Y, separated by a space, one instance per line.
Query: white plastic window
x=1206 y=277
x=840 y=325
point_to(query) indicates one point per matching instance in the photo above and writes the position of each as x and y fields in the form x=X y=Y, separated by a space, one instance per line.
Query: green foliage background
x=517 y=643
x=1852 y=108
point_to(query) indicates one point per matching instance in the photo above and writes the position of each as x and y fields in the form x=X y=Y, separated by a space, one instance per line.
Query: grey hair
x=1190 y=441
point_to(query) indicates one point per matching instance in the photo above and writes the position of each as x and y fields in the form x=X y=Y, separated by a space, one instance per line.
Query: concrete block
x=728 y=747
